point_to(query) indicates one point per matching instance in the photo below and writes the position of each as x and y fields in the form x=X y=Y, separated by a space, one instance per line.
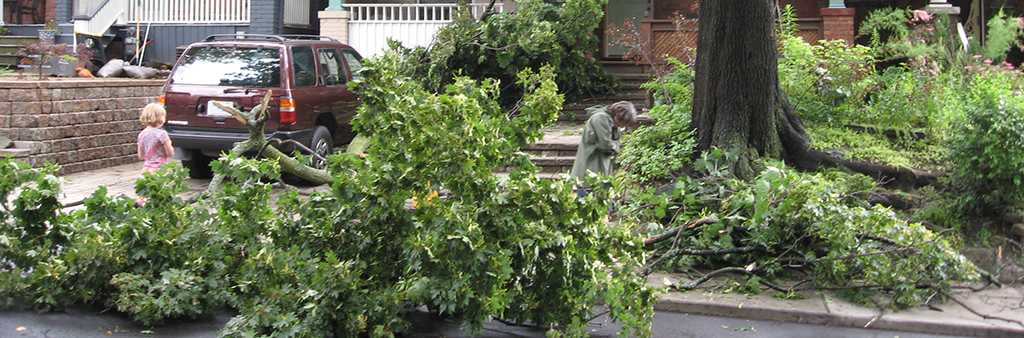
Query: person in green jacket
x=600 y=142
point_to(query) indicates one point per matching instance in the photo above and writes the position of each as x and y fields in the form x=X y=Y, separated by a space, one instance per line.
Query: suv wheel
x=199 y=166
x=322 y=145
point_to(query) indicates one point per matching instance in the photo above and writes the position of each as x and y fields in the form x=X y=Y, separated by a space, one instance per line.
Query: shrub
x=828 y=82
x=987 y=147
x=499 y=46
x=654 y=151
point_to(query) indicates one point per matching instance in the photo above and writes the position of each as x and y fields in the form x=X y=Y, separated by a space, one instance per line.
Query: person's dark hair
x=624 y=112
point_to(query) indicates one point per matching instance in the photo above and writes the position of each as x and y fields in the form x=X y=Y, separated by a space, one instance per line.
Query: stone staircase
x=9 y=46
x=555 y=153
x=631 y=75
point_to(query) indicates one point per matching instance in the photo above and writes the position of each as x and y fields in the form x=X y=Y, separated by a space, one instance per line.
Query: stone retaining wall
x=80 y=124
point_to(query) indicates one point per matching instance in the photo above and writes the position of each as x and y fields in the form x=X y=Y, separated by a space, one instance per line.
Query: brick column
x=837 y=24
x=334 y=24
x=943 y=7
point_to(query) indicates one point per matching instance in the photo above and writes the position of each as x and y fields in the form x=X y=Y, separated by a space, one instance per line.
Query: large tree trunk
x=737 y=103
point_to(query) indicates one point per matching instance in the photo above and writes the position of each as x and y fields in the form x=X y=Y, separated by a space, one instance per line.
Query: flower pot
x=47 y=36
x=54 y=65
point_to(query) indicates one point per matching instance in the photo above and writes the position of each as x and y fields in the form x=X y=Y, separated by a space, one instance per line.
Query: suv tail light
x=287 y=110
x=162 y=99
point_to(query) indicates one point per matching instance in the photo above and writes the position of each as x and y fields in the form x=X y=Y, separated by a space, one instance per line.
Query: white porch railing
x=191 y=11
x=296 y=12
x=372 y=25
x=102 y=15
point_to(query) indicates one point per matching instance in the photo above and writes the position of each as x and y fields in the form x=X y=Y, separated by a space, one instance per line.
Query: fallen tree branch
x=694 y=284
x=821 y=260
x=254 y=120
x=646 y=270
x=649 y=242
x=944 y=293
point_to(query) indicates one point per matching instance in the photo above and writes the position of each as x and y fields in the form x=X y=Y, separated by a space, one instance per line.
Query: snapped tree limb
x=255 y=119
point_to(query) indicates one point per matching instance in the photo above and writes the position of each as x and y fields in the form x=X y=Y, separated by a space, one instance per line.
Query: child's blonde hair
x=153 y=115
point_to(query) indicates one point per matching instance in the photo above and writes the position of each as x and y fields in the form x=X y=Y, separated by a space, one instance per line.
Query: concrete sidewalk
x=991 y=312
x=119 y=180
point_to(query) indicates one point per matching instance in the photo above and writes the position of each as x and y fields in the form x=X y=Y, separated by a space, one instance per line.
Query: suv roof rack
x=260 y=37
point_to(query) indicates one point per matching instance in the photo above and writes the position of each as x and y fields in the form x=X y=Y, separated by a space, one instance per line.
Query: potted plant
x=48 y=33
x=52 y=58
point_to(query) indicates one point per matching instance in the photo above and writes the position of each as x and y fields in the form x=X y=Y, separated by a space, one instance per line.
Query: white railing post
x=194 y=11
x=413 y=25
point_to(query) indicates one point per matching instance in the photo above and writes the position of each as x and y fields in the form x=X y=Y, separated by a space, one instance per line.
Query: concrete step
x=576 y=112
x=9 y=60
x=625 y=67
x=543 y=176
x=18 y=39
x=552 y=149
x=10 y=45
x=553 y=164
x=15 y=149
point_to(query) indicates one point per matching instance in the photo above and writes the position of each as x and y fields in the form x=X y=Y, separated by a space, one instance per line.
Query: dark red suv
x=307 y=74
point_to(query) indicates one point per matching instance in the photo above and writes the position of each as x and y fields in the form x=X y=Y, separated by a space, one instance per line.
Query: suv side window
x=303 y=66
x=354 y=63
x=331 y=67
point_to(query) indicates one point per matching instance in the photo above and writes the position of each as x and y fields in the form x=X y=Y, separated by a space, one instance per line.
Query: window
x=303 y=66
x=354 y=63
x=331 y=67
x=230 y=66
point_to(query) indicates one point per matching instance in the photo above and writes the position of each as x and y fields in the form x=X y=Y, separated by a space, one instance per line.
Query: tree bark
x=737 y=103
x=254 y=120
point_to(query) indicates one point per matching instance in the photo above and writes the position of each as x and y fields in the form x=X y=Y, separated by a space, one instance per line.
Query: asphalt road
x=89 y=322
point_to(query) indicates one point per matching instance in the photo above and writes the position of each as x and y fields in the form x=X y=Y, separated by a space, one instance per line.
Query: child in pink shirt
x=154 y=146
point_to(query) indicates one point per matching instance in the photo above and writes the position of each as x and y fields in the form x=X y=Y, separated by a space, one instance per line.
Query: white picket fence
x=190 y=11
x=413 y=25
x=370 y=26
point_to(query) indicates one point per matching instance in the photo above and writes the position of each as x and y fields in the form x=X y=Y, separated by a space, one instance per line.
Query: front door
x=618 y=12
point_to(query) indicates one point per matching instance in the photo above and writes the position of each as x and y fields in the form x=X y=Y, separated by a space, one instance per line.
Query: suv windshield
x=230 y=66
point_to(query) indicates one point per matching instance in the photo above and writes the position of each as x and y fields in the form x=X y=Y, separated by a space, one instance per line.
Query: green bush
x=1004 y=32
x=654 y=151
x=558 y=34
x=987 y=147
x=828 y=82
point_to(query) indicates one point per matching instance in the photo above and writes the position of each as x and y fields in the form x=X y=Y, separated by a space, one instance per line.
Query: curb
x=885 y=322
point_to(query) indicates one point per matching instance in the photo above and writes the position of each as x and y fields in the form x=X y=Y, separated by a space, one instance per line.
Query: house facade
x=816 y=19
x=155 y=30
x=121 y=28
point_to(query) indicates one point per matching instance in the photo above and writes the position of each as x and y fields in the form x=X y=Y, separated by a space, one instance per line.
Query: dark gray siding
x=62 y=11
x=266 y=16
x=167 y=37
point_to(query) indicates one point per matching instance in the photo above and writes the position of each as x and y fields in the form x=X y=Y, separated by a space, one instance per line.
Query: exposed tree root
x=896 y=177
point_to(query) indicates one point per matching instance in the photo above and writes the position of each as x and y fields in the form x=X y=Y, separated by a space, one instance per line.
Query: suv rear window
x=230 y=66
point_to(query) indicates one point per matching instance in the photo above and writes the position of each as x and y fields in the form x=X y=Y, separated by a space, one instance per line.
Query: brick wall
x=334 y=24
x=838 y=24
x=78 y=124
